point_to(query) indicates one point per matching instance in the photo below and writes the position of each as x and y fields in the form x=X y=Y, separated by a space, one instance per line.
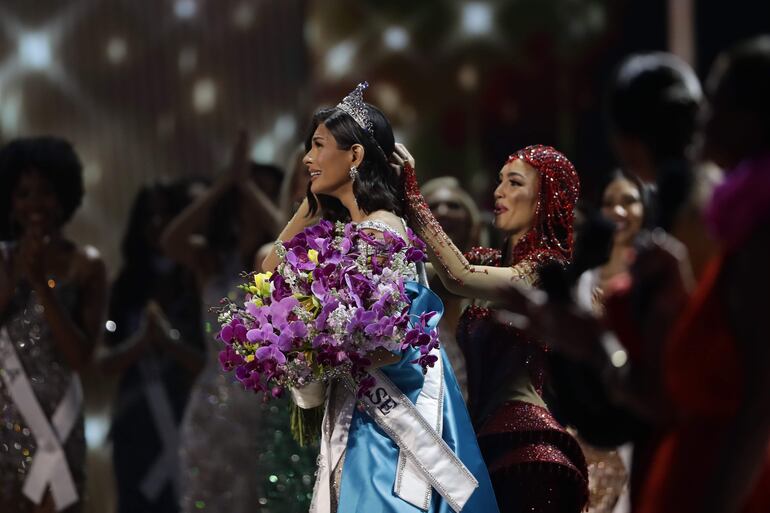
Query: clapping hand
x=32 y=257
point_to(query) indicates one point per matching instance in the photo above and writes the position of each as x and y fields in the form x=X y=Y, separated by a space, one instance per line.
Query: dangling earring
x=353 y=173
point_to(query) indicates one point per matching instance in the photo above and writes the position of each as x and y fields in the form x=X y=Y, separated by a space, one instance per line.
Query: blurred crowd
x=650 y=337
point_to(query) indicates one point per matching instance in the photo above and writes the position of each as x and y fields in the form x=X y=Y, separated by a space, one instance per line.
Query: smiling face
x=35 y=205
x=328 y=165
x=516 y=197
x=622 y=204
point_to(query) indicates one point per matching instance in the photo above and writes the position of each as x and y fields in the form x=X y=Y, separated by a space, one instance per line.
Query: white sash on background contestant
x=49 y=464
x=165 y=468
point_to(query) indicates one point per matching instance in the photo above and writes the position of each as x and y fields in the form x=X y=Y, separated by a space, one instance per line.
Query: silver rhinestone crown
x=353 y=104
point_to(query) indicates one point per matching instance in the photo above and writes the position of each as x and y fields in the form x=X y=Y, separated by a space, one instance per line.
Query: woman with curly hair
x=52 y=297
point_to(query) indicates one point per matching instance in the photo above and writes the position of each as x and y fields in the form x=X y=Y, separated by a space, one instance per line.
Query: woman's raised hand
x=404 y=161
x=239 y=158
x=32 y=249
x=400 y=158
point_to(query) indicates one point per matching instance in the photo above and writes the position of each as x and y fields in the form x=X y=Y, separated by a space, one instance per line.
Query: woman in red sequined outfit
x=536 y=466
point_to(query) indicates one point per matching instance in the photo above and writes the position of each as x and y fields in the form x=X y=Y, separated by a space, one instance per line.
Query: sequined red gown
x=535 y=464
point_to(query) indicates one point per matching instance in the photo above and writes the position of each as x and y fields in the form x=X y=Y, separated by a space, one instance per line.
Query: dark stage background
x=156 y=89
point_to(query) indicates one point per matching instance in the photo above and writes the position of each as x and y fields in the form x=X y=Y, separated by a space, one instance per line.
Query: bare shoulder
x=386 y=217
x=390 y=219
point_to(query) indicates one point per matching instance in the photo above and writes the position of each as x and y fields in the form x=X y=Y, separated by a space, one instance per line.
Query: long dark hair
x=740 y=81
x=143 y=275
x=148 y=201
x=138 y=274
x=655 y=97
x=376 y=187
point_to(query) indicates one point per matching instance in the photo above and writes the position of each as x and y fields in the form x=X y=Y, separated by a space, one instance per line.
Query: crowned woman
x=408 y=444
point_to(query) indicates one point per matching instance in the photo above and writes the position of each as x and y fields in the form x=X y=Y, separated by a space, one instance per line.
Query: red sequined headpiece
x=551 y=235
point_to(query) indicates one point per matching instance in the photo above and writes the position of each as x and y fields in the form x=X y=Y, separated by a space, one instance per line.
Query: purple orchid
x=233 y=331
x=415 y=255
x=264 y=334
x=361 y=319
x=328 y=308
x=281 y=289
x=280 y=311
x=270 y=352
x=298 y=241
x=324 y=340
x=229 y=359
x=287 y=338
x=250 y=379
x=393 y=241
x=298 y=259
x=414 y=240
x=425 y=361
x=360 y=287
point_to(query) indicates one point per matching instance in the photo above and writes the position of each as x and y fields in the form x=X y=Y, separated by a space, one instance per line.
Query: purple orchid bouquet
x=337 y=296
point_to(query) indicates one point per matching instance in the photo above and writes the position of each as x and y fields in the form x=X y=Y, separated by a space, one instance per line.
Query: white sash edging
x=49 y=465
x=415 y=437
x=164 y=468
x=425 y=460
x=410 y=484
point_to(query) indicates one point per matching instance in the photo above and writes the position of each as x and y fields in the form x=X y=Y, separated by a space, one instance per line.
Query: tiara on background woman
x=353 y=105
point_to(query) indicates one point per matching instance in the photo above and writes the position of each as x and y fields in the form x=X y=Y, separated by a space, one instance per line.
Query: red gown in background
x=702 y=370
x=702 y=364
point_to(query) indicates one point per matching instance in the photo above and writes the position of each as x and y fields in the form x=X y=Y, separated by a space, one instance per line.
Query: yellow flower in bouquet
x=309 y=303
x=261 y=285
